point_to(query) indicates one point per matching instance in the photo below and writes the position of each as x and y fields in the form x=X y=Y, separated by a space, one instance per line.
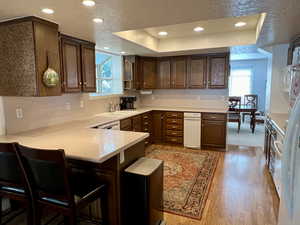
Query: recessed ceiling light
x=198 y=29
x=240 y=24
x=98 y=20
x=163 y=33
x=89 y=3
x=48 y=11
x=106 y=48
x=123 y=53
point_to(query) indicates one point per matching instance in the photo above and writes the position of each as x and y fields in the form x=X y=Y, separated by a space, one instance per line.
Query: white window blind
x=240 y=82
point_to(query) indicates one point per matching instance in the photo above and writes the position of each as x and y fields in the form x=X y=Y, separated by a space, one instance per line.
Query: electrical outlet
x=19 y=113
x=81 y=104
x=68 y=106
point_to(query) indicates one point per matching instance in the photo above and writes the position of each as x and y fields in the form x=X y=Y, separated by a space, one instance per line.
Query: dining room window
x=240 y=82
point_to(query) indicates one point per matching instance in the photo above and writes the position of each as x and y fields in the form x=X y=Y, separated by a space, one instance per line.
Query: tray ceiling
x=280 y=25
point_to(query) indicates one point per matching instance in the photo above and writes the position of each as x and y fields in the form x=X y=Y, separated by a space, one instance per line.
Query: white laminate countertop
x=80 y=141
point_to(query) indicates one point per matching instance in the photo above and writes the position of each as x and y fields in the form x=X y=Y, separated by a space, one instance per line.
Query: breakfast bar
x=102 y=154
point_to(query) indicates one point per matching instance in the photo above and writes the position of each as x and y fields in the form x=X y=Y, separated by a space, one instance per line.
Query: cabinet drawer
x=174 y=114
x=146 y=123
x=174 y=140
x=174 y=127
x=125 y=123
x=214 y=116
x=146 y=129
x=174 y=121
x=174 y=133
x=147 y=141
x=146 y=116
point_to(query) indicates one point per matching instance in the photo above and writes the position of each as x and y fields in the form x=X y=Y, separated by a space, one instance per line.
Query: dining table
x=249 y=109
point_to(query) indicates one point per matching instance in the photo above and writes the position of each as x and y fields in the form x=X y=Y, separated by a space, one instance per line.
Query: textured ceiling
x=281 y=24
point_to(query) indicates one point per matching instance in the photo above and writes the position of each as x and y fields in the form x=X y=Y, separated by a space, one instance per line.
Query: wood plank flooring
x=242 y=192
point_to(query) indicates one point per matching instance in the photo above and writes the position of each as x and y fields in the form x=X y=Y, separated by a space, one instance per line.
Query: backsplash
x=45 y=111
x=213 y=98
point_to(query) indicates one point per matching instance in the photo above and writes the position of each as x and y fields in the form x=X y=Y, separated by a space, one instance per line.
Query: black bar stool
x=12 y=182
x=50 y=180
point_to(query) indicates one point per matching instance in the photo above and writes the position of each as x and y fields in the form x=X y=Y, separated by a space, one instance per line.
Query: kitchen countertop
x=80 y=141
x=279 y=120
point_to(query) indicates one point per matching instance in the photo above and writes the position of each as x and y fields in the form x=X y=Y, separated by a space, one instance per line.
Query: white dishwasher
x=192 y=130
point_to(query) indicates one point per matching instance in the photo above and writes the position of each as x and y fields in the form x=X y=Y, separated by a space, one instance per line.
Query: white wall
x=259 y=69
x=2 y=117
x=278 y=101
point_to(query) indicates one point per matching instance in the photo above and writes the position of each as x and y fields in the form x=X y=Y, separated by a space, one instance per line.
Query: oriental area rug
x=188 y=175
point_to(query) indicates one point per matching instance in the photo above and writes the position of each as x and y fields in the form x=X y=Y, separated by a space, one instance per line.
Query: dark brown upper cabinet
x=28 y=47
x=197 y=72
x=179 y=72
x=148 y=72
x=88 y=65
x=71 y=65
x=78 y=65
x=131 y=74
x=164 y=73
x=218 y=71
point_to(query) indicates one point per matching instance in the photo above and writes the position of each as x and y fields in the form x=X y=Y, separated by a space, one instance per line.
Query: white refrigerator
x=289 y=213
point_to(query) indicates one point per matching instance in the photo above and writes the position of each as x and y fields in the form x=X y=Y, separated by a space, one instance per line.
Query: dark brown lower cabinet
x=213 y=132
x=126 y=124
x=168 y=127
x=158 y=126
x=173 y=131
x=147 y=126
x=137 y=123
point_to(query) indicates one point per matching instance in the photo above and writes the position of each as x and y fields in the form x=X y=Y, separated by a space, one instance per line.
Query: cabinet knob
x=80 y=83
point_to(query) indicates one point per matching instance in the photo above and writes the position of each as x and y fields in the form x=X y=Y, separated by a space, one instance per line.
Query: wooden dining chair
x=13 y=184
x=250 y=100
x=53 y=187
x=234 y=114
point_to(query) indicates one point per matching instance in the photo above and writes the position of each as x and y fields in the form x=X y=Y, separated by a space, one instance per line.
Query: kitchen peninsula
x=91 y=150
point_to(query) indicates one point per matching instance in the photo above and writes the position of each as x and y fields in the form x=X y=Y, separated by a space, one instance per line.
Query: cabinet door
x=88 y=63
x=218 y=71
x=71 y=63
x=164 y=73
x=197 y=72
x=131 y=78
x=213 y=134
x=179 y=72
x=46 y=55
x=137 y=123
x=157 y=123
x=126 y=124
x=148 y=71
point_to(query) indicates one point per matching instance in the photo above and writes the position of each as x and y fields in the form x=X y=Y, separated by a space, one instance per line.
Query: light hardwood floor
x=242 y=192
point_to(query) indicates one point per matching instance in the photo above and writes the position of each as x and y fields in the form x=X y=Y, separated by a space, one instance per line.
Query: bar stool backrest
x=47 y=173
x=10 y=171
